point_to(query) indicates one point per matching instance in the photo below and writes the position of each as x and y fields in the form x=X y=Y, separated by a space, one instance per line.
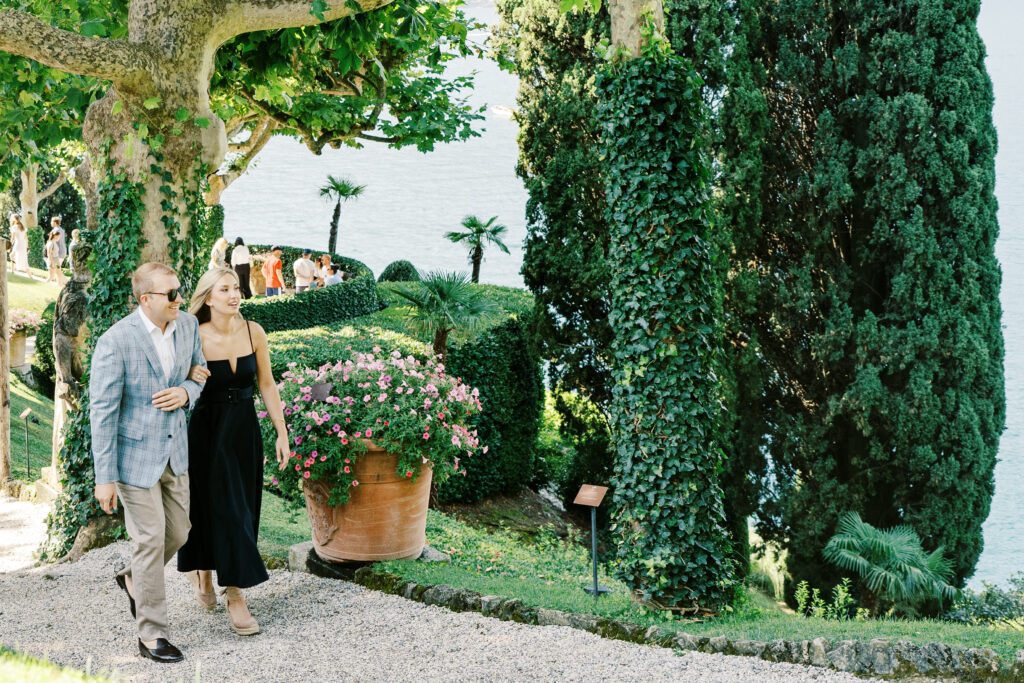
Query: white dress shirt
x=304 y=271
x=240 y=255
x=163 y=342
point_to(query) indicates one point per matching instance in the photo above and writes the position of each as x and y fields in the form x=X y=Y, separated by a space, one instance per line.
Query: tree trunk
x=628 y=18
x=5 y=374
x=441 y=342
x=477 y=258
x=332 y=240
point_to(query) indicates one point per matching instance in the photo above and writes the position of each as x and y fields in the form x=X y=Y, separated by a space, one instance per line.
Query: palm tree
x=477 y=234
x=891 y=564
x=445 y=301
x=338 y=190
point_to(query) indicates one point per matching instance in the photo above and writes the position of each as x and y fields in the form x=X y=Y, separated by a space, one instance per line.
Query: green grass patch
x=280 y=527
x=552 y=573
x=40 y=436
x=24 y=669
x=33 y=295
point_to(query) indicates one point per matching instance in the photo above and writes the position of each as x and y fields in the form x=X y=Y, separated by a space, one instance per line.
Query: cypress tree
x=870 y=283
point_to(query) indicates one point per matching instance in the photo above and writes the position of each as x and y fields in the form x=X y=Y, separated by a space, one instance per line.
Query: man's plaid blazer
x=132 y=441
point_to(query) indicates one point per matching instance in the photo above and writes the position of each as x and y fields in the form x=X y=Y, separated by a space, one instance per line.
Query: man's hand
x=198 y=374
x=171 y=399
x=106 y=494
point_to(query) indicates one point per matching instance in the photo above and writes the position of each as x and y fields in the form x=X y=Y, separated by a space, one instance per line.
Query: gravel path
x=22 y=529
x=319 y=629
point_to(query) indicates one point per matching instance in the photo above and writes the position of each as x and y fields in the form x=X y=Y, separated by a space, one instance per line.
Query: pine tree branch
x=29 y=36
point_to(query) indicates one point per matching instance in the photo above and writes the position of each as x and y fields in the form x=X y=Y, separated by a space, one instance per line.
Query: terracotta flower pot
x=385 y=517
x=17 y=349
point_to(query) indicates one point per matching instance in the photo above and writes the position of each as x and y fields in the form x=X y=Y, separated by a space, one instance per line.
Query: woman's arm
x=268 y=389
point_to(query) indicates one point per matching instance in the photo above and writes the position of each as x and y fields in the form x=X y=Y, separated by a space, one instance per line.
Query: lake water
x=412 y=199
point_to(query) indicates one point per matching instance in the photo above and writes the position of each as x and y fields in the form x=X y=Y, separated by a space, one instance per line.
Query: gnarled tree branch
x=245 y=16
x=54 y=186
x=29 y=36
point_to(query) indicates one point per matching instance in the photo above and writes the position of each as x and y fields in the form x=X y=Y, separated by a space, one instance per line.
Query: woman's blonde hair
x=198 y=306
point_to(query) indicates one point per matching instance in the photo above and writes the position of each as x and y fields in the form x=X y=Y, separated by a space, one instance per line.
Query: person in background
x=54 y=259
x=305 y=271
x=321 y=269
x=272 y=272
x=76 y=239
x=218 y=254
x=62 y=246
x=242 y=262
x=19 y=246
x=333 y=276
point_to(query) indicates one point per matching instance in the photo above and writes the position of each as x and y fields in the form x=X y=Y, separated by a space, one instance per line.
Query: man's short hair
x=142 y=278
x=306 y=252
x=55 y=219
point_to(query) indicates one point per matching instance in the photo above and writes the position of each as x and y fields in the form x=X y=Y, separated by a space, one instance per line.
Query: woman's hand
x=283 y=450
x=198 y=373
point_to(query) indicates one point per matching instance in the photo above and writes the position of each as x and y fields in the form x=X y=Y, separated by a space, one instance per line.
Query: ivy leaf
x=181 y=114
x=202 y=121
x=318 y=8
x=117 y=108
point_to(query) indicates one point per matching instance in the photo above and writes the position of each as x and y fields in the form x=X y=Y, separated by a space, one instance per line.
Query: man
x=305 y=271
x=138 y=389
x=333 y=278
x=272 y=272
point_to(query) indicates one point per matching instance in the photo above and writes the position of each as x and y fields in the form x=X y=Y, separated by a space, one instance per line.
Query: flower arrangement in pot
x=369 y=434
x=23 y=323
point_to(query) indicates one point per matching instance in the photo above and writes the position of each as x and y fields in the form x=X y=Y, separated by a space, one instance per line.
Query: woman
x=218 y=253
x=241 y=262
x=53 y=258
x=226 y=450
x=19 y=245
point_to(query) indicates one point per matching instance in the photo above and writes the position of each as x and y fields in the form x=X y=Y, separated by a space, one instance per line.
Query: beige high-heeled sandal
x=239 y=618
x=205 y=595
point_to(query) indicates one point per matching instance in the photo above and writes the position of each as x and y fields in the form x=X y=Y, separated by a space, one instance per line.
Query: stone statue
x=69 y=336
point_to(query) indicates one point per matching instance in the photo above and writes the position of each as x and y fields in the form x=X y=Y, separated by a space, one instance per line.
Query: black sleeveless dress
x=225 y=467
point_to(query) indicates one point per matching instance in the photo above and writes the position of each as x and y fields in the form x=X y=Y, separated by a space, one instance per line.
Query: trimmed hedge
x=342 y=301
x=399 y=271
x=499 y=360
x=44 y=366
x=353 y=268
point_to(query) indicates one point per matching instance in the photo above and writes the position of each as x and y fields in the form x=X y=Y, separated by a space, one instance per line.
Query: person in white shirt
x=305 y=271
x=333 y=276
x=242 y=262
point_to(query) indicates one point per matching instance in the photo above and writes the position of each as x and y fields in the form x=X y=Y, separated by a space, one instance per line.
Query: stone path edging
x=879 y=657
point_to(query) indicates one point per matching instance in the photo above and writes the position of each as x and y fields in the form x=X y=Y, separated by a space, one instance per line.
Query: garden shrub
x=992 y=605
x=498 y=360
x=399 y=271
x=44 y=366
x=348 y=299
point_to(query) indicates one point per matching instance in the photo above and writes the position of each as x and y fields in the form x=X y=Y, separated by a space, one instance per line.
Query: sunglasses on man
x=171 y=294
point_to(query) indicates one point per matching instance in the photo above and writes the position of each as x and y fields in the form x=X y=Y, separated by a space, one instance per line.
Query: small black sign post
x=591 y=496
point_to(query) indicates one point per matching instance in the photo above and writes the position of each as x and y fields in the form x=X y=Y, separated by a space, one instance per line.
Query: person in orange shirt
x=272 y=272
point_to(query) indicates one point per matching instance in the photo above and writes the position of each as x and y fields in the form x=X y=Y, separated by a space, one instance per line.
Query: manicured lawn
x=40 y=436
x=33 y=295
x=280 y=527
x=552 y=574
x=25 y=669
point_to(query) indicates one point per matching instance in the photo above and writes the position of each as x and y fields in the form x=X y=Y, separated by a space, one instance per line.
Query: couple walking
x=194 y=488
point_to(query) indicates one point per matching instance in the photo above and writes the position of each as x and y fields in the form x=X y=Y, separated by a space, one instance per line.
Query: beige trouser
x=157 y=520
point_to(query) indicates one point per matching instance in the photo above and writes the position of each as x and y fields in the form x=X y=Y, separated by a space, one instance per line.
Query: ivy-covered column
x=666 y=303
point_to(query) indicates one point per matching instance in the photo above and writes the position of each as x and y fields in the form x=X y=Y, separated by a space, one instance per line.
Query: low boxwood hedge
x=348 y=299
x=499 y=360
x=289 y=255
x=399 y=271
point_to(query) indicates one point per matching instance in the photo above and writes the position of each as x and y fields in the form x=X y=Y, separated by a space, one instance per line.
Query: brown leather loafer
x=164 y=652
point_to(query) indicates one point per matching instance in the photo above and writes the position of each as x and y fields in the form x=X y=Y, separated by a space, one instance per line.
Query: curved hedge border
x=352 y=298
x=349 y=299
x=879 y=657
x=499 y=361
x=352 y=267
